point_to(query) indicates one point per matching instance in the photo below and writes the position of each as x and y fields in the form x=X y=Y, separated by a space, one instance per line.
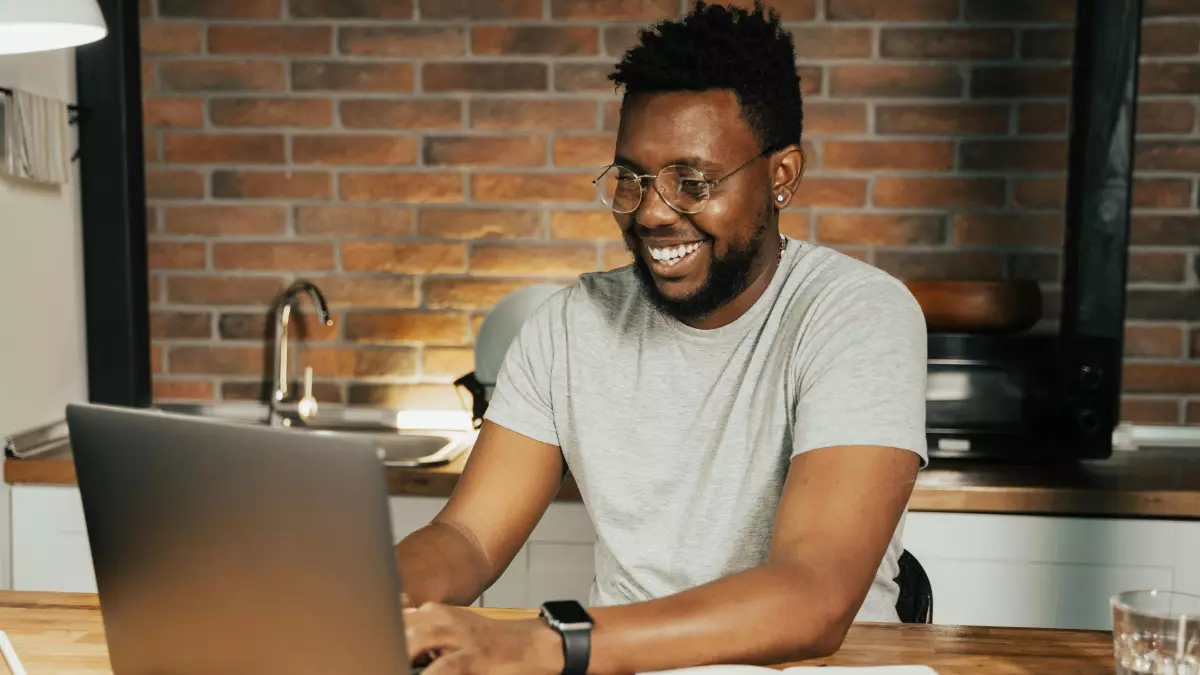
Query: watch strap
x=577 y=650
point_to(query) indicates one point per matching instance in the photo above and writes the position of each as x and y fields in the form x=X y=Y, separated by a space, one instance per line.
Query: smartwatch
x=570 y=620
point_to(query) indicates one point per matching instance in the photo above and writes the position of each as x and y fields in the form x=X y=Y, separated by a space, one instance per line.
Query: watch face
x=567 y=613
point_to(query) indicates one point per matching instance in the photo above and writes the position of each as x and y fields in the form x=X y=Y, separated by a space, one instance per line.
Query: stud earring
x=778 y=198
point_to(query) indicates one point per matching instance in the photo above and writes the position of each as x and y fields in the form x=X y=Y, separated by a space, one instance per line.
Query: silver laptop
x=231 y=548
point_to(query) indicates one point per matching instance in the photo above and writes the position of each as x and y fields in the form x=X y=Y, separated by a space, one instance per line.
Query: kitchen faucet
x=282 y=374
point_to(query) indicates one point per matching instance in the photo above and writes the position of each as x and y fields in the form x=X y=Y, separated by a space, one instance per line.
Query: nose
x=653 y=212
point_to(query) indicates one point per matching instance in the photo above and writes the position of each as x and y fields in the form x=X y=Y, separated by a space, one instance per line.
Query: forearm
x=441 y=563
x=770 y=614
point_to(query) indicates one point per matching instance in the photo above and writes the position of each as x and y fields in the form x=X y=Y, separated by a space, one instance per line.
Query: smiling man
x=743 y=412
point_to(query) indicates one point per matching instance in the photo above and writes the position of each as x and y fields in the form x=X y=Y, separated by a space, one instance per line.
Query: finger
x=431 y=627
x=455 y=663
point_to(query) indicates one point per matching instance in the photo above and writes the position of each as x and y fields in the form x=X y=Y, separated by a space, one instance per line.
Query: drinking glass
x=1156 y=633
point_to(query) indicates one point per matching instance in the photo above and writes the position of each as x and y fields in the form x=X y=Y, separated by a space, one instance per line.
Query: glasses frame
x=712 y=184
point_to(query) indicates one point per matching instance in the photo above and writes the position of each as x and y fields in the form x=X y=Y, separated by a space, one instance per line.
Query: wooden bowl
x=978 y=306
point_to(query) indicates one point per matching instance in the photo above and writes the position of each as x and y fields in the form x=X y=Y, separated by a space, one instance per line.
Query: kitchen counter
x=1158 y=483
x=57 y=634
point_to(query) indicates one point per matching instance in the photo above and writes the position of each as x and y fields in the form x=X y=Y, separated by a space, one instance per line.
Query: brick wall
x=419 y=159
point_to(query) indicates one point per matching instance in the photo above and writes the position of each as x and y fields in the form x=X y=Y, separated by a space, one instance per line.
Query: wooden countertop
x=1149 y=483
x=63 y=634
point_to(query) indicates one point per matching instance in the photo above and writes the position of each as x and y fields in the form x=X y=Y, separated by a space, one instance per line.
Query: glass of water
x=1156 y=633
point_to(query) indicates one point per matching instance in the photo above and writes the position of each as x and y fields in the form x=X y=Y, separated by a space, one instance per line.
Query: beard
x=728 y=276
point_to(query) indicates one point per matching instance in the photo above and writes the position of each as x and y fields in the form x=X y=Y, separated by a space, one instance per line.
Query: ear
x=789 y=164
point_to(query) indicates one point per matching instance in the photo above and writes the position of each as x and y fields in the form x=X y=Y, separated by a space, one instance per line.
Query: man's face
x=725 y=246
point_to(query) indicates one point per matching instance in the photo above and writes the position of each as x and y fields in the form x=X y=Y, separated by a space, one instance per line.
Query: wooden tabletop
x=1158 y=483
x=62 y=634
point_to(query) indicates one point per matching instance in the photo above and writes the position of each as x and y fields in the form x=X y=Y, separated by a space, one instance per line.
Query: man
x=743 y=413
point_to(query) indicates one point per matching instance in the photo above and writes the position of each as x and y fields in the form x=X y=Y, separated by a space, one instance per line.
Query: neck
x=761 y=273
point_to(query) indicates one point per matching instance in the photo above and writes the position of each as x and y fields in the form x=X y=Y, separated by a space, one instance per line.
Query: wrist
x=548 y=649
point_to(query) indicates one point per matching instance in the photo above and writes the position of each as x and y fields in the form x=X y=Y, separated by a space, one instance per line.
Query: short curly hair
x=718 y=47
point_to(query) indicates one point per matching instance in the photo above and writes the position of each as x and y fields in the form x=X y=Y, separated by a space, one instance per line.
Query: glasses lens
x=621 y=189
x=684 y=188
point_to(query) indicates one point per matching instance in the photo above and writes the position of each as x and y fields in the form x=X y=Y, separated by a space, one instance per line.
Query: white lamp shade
x=40 y=25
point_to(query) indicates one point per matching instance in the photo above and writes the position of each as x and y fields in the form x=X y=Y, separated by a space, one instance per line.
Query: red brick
x=1169 y=78
x=1165 y=117
x=1165 y=231
x=172 y=113
x=182 y=390
x=411 y=186
x=272 y=40
x=834 y=118
x=341 y=76
x=614 y=10
x=168 y=184
x=481 y=224
x=1043 y=267
x=215 y=360
x=388 y=328
x=611 y=113
x=537 y=187
x=180 y=325
x=407 y=396
x=468 y=293
x=535 y=40
x=946 y=43
x=832 y=42
x=271 y=185
x=1174 y=304
x=354 y=150
x=1150 y=411
x=1020 y=81
x=485 y=151
x=483 y=76
x=940 y=120
x=171 y=38
x=794 y=10
x=1170 y=39
x=1039 y=193
x=1013 y=155
x=532 y=114
x=149 y=75
x=1153 y=341
x=273 y=256
x=222 y=290
x=1161 y=378
x=271 y=112
x=352 y=9
x=550 y=260
x=873 y=155
x=221 y=9
x=831 y=192
x=584 y=151
x=811 y=80
x=1168 y=156
x=879 y=229
x=614 y=257
x=150 y=147
x=156 y=359
x=1171 y=8
x=794 y=223
x=1192 y=416
x=406 y=41
x=618 y=38
x=146 y=8
x=348 y=362
x=1008 y=229
x=391 y=292
x=237 y=75
x=1020 y=10
x=939 y=192
x=1194 y=350
x=260 y=326
x=408 y=258
x=599 y=225
x=1161 y=193
x=407 y=115
x=187 y=148
x=1043 y=118
x=1161 y=267
x=224 y=220
x=941 y=264
x=474 y=9
x=892 y=10
x=878 y=81
x=1048 y=43
x=354 y=221
x=583 y=77
x=258 y=390
x=447 y=361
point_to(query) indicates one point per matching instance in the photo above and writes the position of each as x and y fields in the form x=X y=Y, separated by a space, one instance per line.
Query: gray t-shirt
x=680 y=439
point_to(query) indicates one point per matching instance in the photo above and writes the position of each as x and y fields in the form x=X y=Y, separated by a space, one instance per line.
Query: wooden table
x=62 y=634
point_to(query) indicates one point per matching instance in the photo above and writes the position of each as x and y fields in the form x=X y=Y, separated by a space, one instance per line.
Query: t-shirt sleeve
x=522 y=399
x=862 y=369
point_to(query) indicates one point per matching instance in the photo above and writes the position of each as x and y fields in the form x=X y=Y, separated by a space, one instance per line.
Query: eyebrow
x=692 y=161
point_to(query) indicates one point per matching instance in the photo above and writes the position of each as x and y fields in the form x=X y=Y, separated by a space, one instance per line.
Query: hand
x=460 y=642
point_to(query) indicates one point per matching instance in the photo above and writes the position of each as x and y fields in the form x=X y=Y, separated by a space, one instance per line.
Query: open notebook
x=801 y=670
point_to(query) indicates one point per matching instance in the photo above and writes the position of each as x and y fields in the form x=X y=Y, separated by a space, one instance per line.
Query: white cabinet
x=49 y=540
x=555 y=564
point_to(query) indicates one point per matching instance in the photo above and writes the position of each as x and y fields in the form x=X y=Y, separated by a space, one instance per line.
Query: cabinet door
x=556 y=563
x=50 y=544
x=410 y=514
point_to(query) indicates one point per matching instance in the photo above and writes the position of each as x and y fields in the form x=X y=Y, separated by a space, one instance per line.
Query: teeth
x=673 y=254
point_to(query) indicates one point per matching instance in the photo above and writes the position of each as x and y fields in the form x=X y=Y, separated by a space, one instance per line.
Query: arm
x=507 y=484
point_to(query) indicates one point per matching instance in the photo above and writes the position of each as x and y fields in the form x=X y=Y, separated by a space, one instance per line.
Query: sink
x=403 y=445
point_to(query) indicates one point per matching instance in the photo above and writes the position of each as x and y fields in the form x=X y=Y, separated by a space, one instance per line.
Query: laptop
x=222 y=547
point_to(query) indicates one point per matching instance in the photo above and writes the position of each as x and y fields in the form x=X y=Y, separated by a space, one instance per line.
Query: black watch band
x=574 y=625
x=577 y=651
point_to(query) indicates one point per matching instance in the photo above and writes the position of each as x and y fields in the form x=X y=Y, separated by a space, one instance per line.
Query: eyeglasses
x=682 y=188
